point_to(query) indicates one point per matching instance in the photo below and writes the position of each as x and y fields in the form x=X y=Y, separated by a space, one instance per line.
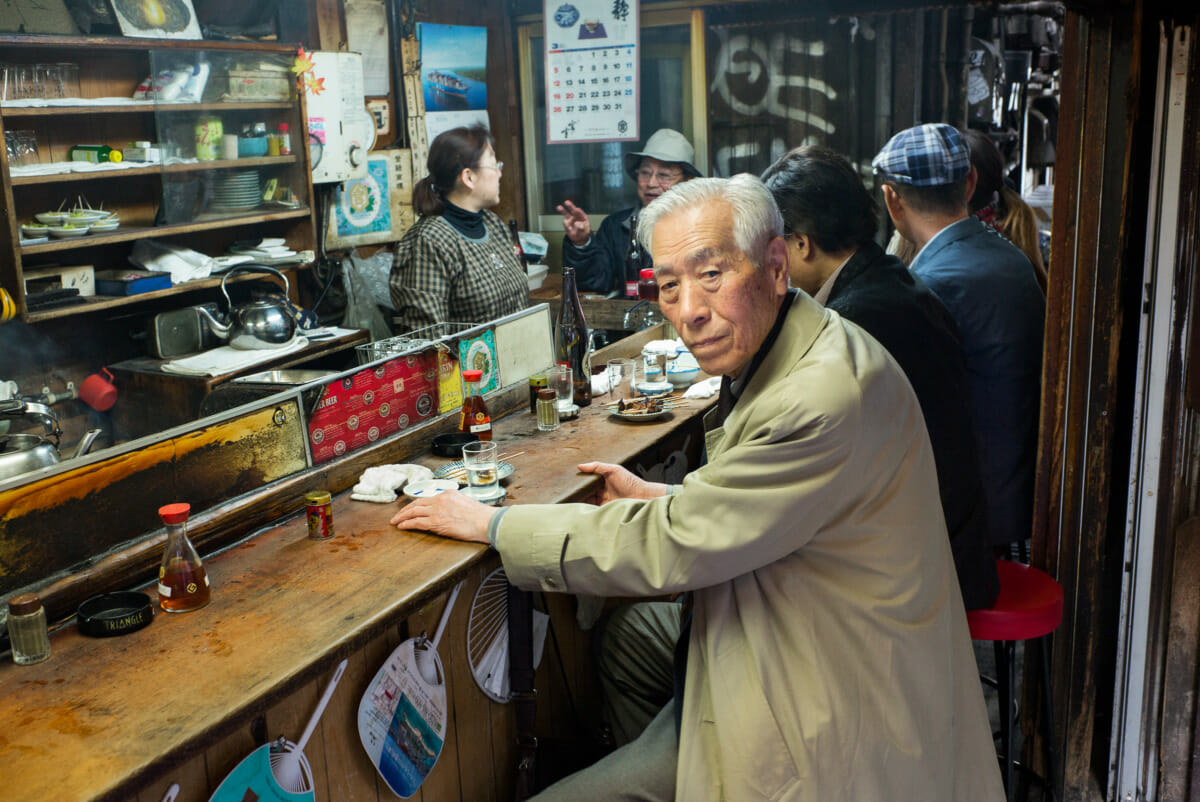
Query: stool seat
x=1029 y=605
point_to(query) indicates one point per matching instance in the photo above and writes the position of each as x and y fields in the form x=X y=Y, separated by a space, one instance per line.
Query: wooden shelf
x=207 y=223
x=95 y=303
x=141 y=108
x=140 y=43
x=157 y=169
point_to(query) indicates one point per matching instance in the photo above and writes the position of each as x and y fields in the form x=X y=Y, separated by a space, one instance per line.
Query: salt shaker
x=27 y=629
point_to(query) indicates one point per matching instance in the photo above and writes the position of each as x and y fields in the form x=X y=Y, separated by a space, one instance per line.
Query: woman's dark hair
x=451 y=152
x=821 y=196
x=989 y=166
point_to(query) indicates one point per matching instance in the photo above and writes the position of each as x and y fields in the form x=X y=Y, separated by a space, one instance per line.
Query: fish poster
x=453 y=76
x=592 y=71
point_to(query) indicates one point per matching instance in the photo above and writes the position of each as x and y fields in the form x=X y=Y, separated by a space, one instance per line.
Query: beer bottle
x=571 y=342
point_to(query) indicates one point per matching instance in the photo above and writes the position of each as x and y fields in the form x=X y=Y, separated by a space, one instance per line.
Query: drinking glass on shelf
x=47 y=76
x=561 y=382
x=68 y=79
x=22 y=148
x=479 y=460
x=620 y=379
x=27 y=82
x=8 y=77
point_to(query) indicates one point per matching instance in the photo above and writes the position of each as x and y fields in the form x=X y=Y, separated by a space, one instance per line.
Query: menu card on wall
x=592 y=75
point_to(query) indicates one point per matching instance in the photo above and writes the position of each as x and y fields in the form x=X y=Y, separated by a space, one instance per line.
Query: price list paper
x=592 y=76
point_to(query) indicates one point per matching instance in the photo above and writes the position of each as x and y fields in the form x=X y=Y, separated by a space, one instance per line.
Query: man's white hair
x=756 y=218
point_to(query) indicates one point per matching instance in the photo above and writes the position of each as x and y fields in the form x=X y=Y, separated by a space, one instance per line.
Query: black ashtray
x=114 y=614
x=451 y=445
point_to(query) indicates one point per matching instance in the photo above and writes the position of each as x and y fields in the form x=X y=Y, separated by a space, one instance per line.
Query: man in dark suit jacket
x=830 y=222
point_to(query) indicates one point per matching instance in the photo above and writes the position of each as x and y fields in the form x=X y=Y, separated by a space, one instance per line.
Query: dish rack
x=410 y=341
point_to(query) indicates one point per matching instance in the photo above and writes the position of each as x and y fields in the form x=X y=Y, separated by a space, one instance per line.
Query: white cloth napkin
x=380 y=483
x=668 y=347
x=600 y=383
x=705 y=389
x=219 y=361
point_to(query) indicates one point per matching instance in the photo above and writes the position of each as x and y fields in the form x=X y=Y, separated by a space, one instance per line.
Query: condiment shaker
x=27 y=629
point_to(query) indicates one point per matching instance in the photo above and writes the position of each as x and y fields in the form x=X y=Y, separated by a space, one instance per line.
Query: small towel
x=226 y=359
x=667 y=347
x=600 y=383
x=705 y=389
x=380 y=483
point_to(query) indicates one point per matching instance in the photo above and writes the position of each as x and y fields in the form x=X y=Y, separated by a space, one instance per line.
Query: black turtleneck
x=469 y=224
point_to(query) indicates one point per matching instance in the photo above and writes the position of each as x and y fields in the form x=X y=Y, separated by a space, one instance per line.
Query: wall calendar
x=592 y=74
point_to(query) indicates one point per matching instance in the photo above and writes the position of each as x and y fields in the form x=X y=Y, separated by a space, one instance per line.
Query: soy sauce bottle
x=475 y=418
x=182 y=581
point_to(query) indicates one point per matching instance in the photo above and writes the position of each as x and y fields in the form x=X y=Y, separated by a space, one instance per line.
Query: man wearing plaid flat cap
x=990 y=289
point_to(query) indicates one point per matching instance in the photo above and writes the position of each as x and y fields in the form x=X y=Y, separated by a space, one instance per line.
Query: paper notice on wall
x=367 y=33
x=592 y=75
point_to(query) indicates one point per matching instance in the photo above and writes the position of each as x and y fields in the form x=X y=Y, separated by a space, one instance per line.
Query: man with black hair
x=830 y=221
x=989 y=288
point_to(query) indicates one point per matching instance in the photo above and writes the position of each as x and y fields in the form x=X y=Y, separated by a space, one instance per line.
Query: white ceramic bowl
x=682 y=376
x=35 y=230
x=652 y=388
x=105 y=225
x=65 y=233
x=50 y=218
x=423 y=488
x=85 y=216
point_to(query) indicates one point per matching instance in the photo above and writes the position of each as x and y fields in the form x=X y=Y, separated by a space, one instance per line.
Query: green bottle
x=96 y=154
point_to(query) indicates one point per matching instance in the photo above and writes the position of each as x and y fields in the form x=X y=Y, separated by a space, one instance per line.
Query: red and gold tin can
x=320 y=514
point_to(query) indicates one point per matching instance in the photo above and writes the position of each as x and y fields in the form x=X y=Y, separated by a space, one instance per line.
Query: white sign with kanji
x=592 y=75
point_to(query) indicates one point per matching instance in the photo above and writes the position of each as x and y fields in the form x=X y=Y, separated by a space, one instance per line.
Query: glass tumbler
x=564 y=387
x=68 y=79
x=620 y=379
x=479 y=459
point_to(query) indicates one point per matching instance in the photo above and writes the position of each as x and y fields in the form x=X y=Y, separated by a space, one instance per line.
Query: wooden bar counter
x=186 y=698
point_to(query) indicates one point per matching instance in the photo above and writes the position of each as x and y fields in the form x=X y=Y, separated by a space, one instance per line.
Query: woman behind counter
x=456 y=264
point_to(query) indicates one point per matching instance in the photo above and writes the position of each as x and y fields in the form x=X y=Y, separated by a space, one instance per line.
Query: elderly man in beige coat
x=828 y=656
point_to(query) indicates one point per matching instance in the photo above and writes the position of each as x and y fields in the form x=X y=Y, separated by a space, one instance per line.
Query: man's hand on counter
x=620 y=483
x=575 y=223
x=449 y=514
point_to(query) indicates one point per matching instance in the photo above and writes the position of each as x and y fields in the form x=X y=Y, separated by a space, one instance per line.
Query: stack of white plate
x=236 y=191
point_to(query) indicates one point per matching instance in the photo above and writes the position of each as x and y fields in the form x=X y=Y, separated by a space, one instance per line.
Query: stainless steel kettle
x=254 y=325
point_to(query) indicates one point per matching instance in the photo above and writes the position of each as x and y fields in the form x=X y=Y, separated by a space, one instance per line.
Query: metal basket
x=409 y=342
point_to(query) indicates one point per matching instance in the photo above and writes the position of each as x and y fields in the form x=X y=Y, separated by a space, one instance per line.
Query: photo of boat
x=447 y=83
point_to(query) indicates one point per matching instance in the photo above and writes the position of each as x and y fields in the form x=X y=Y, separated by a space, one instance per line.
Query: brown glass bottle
x=571 y=342
x=474 y=418
x=182 y=581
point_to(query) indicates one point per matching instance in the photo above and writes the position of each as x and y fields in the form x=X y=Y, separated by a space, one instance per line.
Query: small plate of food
x=641 y=409
x=67 y=230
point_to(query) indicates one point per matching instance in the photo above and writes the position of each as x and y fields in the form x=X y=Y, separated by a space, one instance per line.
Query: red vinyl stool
x=1029 y=606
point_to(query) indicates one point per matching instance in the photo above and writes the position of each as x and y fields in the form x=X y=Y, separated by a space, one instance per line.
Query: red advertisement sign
x=372 y=404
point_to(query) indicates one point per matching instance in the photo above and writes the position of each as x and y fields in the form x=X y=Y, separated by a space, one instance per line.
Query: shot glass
x=620 y=379
x=482 y=476
x=564 y=387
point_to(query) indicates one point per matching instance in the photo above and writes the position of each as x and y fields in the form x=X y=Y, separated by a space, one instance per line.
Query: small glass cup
x=564 y=387
x=547 y=410
x=620 y=379
x=68 y=77
x=482 y=475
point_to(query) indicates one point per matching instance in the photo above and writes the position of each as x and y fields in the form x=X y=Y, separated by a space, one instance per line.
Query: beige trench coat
x=829 y=656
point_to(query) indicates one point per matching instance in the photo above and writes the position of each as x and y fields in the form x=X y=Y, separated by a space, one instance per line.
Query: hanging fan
x=487 y=636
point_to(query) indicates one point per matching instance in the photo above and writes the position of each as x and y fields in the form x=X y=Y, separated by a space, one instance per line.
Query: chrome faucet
x=627 y=322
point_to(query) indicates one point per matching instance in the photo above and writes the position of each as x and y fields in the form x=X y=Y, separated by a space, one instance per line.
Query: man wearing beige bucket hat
x=601 y=260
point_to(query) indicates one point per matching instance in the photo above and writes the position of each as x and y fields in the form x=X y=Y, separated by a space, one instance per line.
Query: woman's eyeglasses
x=498 y=166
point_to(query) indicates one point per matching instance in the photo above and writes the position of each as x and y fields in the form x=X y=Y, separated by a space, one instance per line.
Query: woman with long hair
x=457 y=263
x=999 y=205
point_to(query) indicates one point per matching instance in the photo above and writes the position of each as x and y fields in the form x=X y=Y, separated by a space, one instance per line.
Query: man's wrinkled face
x=720 y=302
x=655 y=177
